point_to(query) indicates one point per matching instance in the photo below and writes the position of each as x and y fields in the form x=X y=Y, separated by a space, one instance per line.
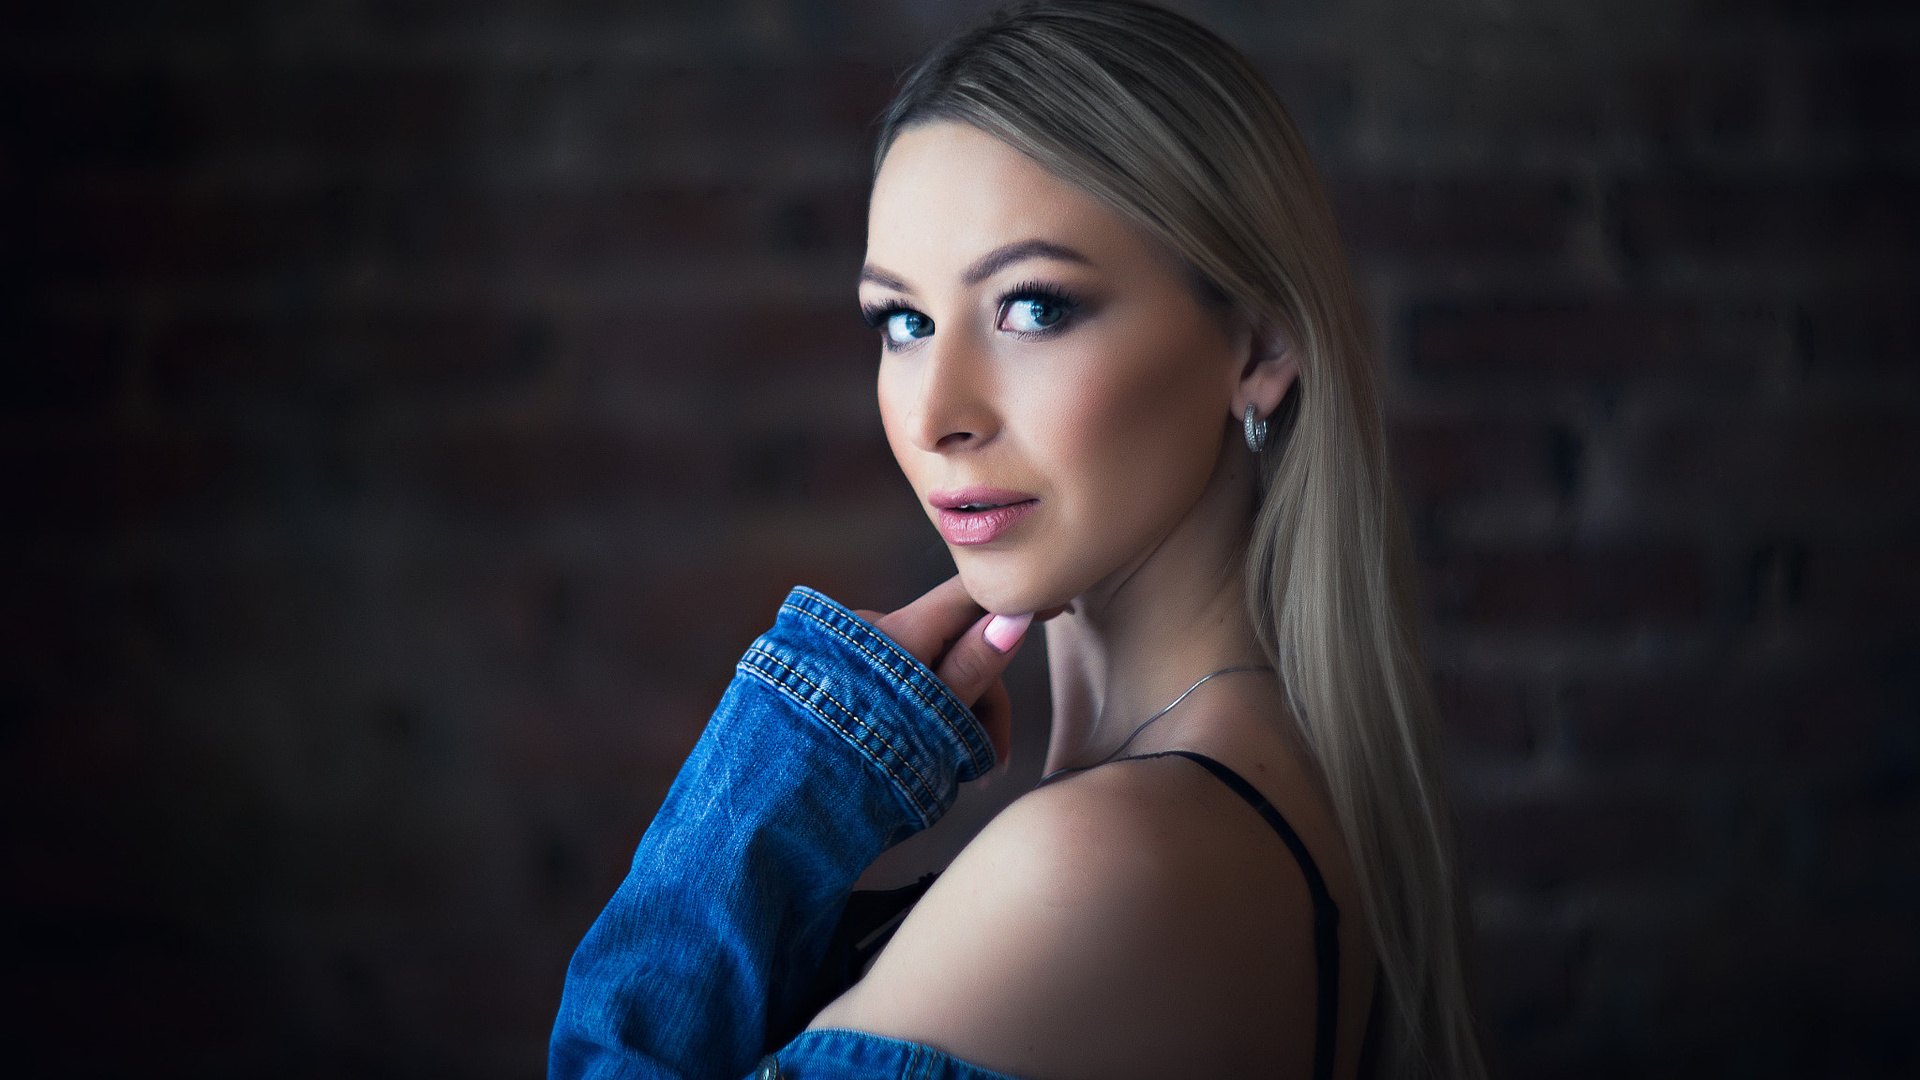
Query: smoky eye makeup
x=898 y=323
x=875 y=315
x=1037 y=309
x=1029 y=310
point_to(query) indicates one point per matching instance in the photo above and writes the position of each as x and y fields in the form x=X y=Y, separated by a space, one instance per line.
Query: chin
x=1008 y=585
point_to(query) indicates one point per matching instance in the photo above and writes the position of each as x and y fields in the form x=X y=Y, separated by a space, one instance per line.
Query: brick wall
x=411 y=408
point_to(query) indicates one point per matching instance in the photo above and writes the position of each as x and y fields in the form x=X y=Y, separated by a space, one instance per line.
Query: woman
x=1123 y=368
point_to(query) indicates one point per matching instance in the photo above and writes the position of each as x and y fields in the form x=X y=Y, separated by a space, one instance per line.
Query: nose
x=952 y=408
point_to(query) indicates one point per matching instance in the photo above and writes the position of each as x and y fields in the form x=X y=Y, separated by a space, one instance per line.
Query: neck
x=1134 y=642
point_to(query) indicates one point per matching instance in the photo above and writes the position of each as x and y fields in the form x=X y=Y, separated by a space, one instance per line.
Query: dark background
x=412 y=408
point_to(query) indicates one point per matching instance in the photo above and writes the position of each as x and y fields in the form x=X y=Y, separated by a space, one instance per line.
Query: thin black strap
x=1326 y=916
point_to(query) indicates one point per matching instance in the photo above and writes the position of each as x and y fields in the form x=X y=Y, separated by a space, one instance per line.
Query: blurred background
x=411 y=409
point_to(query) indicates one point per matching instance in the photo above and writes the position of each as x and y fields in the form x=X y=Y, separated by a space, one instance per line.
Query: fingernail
x=1005 y=631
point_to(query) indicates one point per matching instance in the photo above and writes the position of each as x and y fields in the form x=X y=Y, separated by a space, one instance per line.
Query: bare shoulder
x=1129 y=921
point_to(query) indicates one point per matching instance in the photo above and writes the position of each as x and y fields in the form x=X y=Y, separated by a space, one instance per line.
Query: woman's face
x=1050 y=383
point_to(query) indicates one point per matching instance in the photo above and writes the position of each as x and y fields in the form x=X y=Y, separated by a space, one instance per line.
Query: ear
x=1271 y=364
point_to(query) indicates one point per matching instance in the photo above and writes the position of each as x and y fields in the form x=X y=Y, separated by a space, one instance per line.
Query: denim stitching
x=779 y=685
x=817 y=688
x=911 y=677
x=877 y=736
x=913 y=665
x=822 y=600
x=906 y=676
x=907 y=660
x=915 y=673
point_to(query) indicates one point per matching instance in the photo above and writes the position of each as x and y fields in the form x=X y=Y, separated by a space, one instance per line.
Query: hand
x=967 y=648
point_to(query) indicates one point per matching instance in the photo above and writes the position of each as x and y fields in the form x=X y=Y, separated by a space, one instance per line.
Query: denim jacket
x=831 y=745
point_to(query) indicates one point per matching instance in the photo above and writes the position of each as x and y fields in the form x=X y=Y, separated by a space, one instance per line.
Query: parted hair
x=1172 y=128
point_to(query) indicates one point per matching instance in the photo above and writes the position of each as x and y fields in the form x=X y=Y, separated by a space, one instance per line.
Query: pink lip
x=979 y=526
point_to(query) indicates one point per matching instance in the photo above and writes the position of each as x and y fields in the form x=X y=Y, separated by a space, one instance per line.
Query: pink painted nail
x=1005 y=631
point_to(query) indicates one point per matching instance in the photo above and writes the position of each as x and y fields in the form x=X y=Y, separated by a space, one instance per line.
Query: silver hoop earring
x=1256 y=432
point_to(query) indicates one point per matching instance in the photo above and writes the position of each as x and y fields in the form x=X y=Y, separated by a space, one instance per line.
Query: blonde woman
x=1122 y=365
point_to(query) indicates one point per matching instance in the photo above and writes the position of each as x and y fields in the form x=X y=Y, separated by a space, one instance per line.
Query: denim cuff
x=876 y=696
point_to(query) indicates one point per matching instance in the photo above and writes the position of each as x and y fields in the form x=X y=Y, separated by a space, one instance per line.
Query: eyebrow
x=989 y=264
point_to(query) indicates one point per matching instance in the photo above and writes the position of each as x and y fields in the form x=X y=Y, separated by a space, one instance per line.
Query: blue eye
x=902 y=327
x=1030 y=314
x=1037 y=309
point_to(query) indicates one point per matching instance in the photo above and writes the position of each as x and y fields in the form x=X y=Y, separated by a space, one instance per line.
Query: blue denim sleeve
x=831 y=744
x=832 y=1054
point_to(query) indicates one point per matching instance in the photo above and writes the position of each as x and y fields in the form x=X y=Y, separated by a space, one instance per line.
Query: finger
x=931 y=623
x=975 y=661
x=995 y=713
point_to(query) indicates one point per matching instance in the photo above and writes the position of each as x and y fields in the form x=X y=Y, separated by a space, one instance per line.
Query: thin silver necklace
x=1143 y=724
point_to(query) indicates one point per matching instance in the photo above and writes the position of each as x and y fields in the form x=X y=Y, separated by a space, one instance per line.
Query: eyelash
x=875 y=316
x=1068 y=304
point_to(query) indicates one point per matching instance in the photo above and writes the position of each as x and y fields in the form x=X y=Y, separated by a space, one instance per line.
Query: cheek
x=1143 y=428
x=893 y=415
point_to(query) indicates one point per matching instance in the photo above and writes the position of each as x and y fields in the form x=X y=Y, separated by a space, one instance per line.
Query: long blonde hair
x=1175 y=130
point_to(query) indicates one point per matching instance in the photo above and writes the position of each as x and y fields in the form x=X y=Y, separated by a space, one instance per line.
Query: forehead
x=947 y=192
